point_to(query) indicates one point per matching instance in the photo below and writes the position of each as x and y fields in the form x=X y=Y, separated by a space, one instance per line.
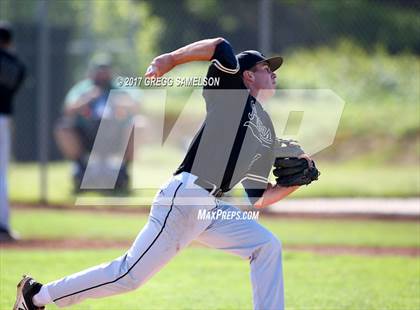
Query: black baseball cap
x=248 y=59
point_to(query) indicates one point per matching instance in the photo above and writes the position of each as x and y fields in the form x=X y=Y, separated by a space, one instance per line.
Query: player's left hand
x=311 y=163
x=294 y=171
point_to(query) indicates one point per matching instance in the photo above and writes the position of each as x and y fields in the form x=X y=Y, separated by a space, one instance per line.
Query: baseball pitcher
x=235 y=144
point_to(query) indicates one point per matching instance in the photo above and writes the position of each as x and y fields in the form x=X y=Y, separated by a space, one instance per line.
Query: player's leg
x=170 y=228
x=71 y=145
x=67 y=139
x=152 y=249
x=249 y=240
x=4 y=160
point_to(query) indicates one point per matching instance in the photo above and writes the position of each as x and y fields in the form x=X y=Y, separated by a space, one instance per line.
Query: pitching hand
x=159 y=66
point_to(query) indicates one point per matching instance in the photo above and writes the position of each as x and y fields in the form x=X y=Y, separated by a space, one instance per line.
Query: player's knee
x=274 y=245
x=271 y=248
x=132 y=283
x=129 y=280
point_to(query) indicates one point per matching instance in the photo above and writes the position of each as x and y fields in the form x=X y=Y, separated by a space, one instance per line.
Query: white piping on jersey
x=256 y=157
x=254 y=177
x=224 y=69
x=257 y=177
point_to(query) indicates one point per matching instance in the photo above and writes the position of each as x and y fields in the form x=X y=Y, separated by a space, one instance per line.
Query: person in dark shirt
x=86 y=106
x=235 y=144
x=12 y=73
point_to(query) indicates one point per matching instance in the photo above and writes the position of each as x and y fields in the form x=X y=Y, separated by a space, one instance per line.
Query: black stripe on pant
x=137 y=261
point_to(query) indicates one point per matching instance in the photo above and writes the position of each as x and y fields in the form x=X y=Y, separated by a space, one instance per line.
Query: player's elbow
x=218 y=40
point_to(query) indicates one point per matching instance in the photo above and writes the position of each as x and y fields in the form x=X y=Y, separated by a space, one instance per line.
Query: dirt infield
x=265 y=213
x=71 y=244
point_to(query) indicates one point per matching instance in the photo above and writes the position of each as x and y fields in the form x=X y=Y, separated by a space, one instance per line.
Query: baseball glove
x=293 y=171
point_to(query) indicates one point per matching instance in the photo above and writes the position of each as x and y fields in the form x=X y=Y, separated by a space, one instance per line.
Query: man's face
x=264 y=80
x=264 y=77
x=102 y=77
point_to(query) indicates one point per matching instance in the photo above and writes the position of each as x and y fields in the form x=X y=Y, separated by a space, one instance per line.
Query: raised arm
x=198 y=51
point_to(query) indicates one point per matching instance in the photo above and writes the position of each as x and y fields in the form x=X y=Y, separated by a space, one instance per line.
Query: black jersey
x=12 y=73
x=236 y=140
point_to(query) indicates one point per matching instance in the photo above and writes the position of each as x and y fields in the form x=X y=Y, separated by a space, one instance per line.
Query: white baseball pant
x=173 y=224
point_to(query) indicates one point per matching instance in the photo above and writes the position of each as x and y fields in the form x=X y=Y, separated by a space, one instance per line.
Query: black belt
x=210 y=187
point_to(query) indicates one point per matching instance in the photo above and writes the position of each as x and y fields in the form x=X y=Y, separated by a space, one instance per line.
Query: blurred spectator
x=86 y=106
x=12 y=73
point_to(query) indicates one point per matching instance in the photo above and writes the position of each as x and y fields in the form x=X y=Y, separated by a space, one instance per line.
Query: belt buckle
x=219 y=193
x=216 y=192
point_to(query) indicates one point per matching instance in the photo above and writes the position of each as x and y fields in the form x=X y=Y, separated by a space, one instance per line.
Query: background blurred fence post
x=43 y=95
x=264 y=26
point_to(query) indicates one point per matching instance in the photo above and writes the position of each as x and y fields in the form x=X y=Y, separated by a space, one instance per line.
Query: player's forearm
x=198 y=51
x=274 y=194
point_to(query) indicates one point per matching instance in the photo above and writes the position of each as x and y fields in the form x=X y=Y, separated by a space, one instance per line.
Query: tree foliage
x=392 y=23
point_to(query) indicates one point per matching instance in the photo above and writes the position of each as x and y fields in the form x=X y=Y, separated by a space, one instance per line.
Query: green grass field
x=207 y=279
x=85 y=225
x=337 y=180
x=201 y=278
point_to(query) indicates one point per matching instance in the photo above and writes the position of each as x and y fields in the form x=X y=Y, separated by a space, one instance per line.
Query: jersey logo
x=259 y=131
x=256 y=157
